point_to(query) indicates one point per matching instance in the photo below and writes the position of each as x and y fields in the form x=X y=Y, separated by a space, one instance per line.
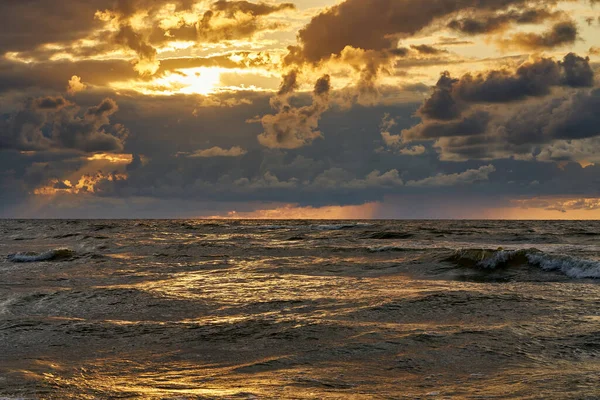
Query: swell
x=393 y=248
x=310 y=227
x=50 y=255
x=389 y=235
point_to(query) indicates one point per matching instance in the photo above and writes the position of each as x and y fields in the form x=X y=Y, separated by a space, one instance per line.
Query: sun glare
x=201 y=80
x=198 y=80
x=112 y=158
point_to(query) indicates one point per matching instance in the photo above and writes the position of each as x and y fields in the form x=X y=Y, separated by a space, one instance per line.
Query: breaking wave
x=50 y=255
x=570 y=266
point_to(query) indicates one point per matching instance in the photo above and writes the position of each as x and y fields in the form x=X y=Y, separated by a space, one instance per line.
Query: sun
x=198 y=80
x=201 y=81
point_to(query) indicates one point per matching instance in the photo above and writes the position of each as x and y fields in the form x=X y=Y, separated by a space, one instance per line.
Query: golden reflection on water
x=130 y=379
x=175 y=316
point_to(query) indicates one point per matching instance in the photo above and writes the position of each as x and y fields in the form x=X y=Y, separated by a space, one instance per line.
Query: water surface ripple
x=306 y=309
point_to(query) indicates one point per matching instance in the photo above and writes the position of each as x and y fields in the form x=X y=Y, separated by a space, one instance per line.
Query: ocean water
x=299 y=310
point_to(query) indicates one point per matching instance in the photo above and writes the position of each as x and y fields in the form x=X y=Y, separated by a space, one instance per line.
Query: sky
x=319 y=109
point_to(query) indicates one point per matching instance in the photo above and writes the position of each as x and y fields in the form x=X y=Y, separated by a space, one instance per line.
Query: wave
x=296 y=239
x=408 y=247
x=66 y=235
x=270 y=227
x=337 y=227
x=330 y=227
x=50 y=255
x=570 y=266
x=382 y=249
x=389 y=235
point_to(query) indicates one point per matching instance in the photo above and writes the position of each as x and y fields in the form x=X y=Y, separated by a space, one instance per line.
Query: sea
x=248 y=309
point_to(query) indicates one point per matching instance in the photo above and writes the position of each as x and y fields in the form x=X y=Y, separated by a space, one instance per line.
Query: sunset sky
x=301 y=109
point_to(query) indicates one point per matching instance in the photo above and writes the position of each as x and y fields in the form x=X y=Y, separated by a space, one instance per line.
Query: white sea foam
x=571 y=266
x=4 y=308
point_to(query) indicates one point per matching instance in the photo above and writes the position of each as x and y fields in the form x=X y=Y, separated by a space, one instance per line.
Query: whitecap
x=571 y=266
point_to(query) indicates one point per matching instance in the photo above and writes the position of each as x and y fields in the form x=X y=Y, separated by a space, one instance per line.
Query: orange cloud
x=549 y=208
x=112 y=158
x=85 y=184
x=291 y=211
x=75 y=85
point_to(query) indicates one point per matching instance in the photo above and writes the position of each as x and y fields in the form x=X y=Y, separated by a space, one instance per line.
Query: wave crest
x=389 y=235
x=570 y=266
x=338 y=227
x=382 y=249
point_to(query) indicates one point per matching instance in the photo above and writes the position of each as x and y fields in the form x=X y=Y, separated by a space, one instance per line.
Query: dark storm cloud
x=482 y=118
x=50 y=103
x=53 y=123
x=569 y=117
x=426 y=49
x=129 y=38
x=255 y=9
x=27 y=24
x=535 y=79
x=289 y=83
x=21 y=173
x=484 y=24
x=342 y=169
x=102 y=111
x=322 y=86
x=522 y=131
x=560 y=34
x=136 y=162
x=151 y=118
x=492 y=131
x=381 y=22
x=55 y=75
x=452 y=41
x=31 y=24
x=473 y=124
x=442 y=105
x=577 y=71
